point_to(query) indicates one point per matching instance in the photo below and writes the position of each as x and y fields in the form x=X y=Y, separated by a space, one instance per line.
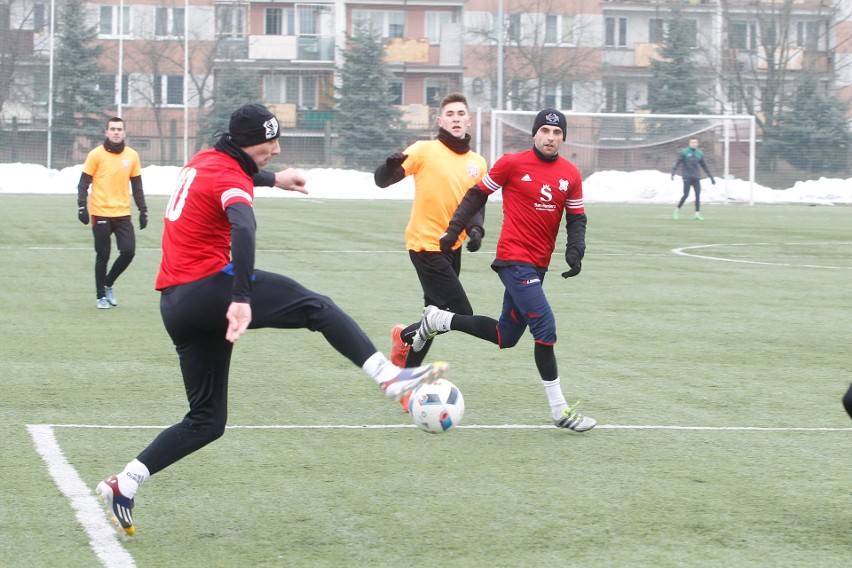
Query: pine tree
x=813 y=135
x=366 y=122
x=80 y=110
x=674 y=87
x=233 y=88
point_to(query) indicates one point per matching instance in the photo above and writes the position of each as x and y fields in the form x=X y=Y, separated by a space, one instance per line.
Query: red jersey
x=197 y=233
x=535 y=195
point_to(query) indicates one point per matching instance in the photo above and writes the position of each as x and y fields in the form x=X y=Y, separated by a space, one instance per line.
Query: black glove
x=712 y=180
x=143 y=219
x=574 y=260
x=575 y=270
x=475 y=241
x=448 y=240
x=83 y=214
x=395 y=160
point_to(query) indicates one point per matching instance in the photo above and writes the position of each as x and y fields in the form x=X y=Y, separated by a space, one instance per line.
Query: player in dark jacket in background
x=691 y=158
x=211 y=294
x=539 y=189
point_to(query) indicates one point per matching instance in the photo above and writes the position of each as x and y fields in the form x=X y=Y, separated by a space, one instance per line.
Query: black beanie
x=253 y=124
x=552 y=117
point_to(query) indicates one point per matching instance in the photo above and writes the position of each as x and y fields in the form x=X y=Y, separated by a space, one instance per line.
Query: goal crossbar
x=597 y=137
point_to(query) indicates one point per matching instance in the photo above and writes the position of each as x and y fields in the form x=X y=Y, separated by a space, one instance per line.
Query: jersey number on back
x=178 y=199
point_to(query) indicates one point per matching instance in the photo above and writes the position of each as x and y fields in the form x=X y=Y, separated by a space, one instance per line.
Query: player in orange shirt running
x=443 y=170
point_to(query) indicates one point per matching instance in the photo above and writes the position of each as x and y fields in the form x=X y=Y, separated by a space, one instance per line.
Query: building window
x=274 y=21
x=434 y=22
x=108 y=23
x=232 y=22
x=551 y=26
x=558 y=29
x=168 y=89
x=559 y=95
x=106 y=87
x=388 y=23
x=169 y=22
x=690 y=33
x=743 y=35
x=513 y=28
x=615 y=32
x=616 y=97
x=435 y=90
x=741 y=100
x=125 y=89
x=395 y=91
x=40 y=18
x=40 y=87
x=396 y=24
x=174 y=90
x=808 y=35
x=656 y=30
x=300 y=90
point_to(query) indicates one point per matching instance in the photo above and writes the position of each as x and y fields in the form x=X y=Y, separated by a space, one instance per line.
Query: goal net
x=630 y=142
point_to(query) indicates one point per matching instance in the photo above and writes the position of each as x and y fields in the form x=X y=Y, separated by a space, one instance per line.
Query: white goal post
x=638 y=141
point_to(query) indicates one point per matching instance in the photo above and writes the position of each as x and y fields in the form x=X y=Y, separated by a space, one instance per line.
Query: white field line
x=685 y=251
x=464 y=427
x=102 y=537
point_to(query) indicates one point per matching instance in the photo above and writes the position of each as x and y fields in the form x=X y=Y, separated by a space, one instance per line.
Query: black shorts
x=439 y=277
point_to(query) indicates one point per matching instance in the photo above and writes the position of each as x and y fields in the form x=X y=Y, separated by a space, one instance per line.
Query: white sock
x=135 y=473
x=380 y=368
x=443 y=320
x=553 y=390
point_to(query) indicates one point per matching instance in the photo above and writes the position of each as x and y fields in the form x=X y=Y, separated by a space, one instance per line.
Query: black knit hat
x=253 y=124
x=552 y=117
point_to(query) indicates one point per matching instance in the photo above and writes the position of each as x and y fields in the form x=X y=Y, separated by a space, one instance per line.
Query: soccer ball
x=436 y=407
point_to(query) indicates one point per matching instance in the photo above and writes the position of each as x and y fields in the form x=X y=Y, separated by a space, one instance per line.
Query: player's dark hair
x=453 y=98
x=115 y=119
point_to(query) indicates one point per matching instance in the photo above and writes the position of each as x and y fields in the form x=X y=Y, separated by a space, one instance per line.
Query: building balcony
x=291 y=48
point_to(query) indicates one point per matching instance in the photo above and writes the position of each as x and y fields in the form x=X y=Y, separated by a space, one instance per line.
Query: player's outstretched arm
x=290 y=180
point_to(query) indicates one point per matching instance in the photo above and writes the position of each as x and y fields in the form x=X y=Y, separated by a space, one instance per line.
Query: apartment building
x=163 y=58
x=595 y=56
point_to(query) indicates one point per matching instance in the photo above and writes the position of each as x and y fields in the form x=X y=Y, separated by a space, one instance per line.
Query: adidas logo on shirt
x=526 y=177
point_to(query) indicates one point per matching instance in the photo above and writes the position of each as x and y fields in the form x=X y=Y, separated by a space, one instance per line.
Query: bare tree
x=16 y=45
x=769 y=45
x=158 y=61
x=544 y=51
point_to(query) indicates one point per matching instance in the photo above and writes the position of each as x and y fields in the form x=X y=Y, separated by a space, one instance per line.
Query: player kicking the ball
x=211 y=294
x=539 y=188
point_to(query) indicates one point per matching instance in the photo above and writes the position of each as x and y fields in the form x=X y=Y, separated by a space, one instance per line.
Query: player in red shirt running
x=539 y=188
x=211 y=294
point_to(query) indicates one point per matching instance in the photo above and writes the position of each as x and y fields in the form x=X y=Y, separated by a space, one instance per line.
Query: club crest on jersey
x=125 y=164
x=563 y=185
x=473 y=170
x=271 y=128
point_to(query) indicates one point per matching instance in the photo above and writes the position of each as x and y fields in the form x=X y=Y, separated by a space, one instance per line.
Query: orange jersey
x=111 y=173
x=441 y=178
